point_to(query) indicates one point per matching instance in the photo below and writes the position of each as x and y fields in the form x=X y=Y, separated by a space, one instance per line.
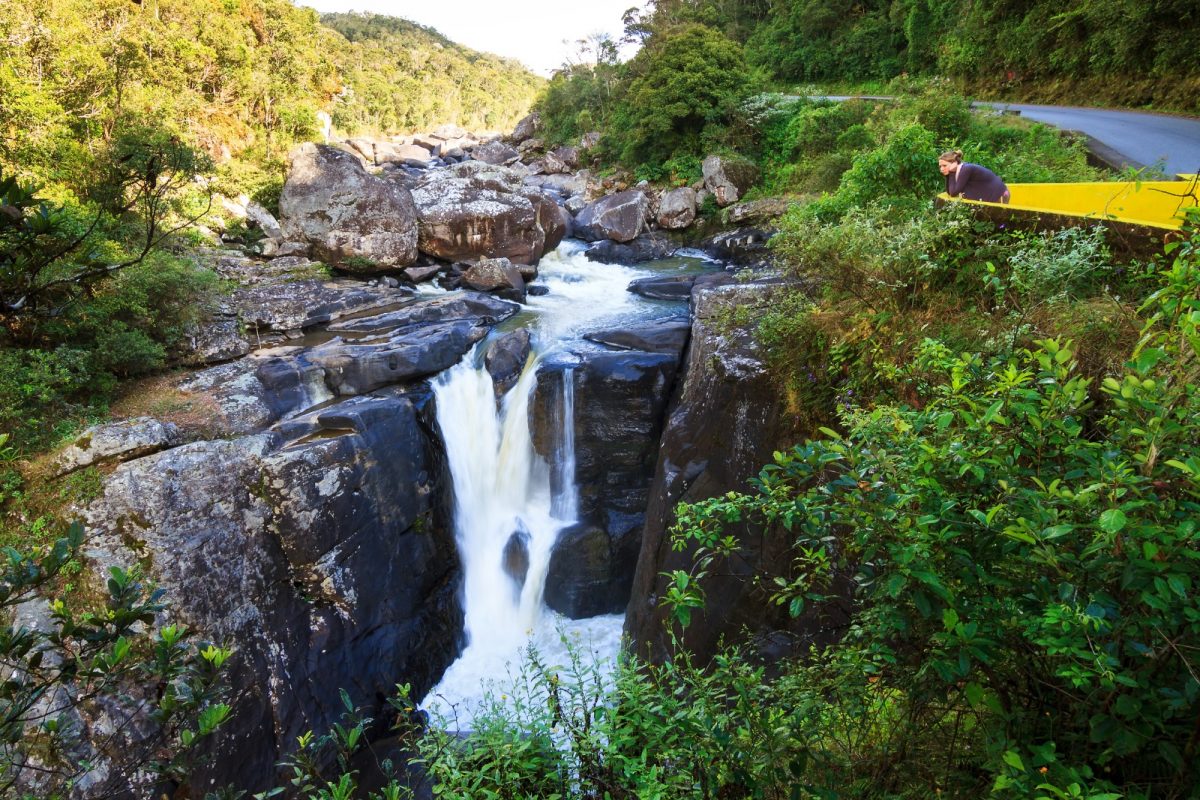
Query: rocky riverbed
x=305 y=517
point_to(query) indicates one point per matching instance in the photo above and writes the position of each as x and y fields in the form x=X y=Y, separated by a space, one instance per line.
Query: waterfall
x=509 y=504
x=503 y=505
x=565 y=505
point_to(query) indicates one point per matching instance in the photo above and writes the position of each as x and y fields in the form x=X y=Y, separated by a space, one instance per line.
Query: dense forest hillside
x=1125 y=54
x=237 y=78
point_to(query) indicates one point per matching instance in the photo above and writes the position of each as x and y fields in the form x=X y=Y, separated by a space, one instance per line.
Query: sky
x=531 y=31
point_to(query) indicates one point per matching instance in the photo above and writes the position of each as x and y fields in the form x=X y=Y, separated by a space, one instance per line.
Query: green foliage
x=400 y=76
x=578 y=100
x=820 y=40
x=685 y=86
x=1021 y=562
x=674 y=730
x=76 y=665
x=243 y=78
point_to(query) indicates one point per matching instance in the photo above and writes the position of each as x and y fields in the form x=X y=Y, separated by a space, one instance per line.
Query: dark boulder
x=506 y=359
x=516 y=558
x=675 y=287
x=363 y=365
x=320 y=560
x=647 y=247
x=479 y=309
x=591 y=570
x=662 y=336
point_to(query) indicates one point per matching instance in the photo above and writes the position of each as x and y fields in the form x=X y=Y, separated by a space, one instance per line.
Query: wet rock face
x=506 y=358
x=351 y=218
x=724 y=424
x=516 y=558
x=620 y=400
x=312 y=550
x=664 y=336
x=591 y=569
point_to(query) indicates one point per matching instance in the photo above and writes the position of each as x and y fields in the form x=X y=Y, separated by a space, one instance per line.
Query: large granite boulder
x=472 y=210
x=319 y=556
x=496 y=153
x=725 y=422
x=527 y=128
x=677 y=208
x=351 y=218
x=620 y=217
x=728 y=179
x=497 y=275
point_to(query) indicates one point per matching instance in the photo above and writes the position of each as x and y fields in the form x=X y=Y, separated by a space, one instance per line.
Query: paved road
x=1136 y=138
x=1143 y=139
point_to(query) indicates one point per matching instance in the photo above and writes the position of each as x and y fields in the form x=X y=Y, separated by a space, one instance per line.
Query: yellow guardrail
x=1157 y=204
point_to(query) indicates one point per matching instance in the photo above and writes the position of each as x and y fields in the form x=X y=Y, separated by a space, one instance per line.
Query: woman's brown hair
x=953 y=156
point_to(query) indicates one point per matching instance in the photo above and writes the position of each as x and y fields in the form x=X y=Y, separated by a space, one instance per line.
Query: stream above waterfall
x=505 y=509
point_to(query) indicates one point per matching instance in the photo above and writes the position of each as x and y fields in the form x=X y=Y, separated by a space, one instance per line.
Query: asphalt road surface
x=1137 y=138
x=1143 y=139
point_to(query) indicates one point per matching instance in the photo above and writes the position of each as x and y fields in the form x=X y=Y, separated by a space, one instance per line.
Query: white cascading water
x=565 y=502
x=502 y=486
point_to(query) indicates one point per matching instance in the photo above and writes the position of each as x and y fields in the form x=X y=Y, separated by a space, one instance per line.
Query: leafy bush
x=129 y=327
x=685 y=85
x=1059 y=264
x=161 y=687
x=1023 y=566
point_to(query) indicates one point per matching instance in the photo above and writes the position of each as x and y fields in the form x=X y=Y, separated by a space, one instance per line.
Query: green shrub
x=1023 y=565
x=1060 y=264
